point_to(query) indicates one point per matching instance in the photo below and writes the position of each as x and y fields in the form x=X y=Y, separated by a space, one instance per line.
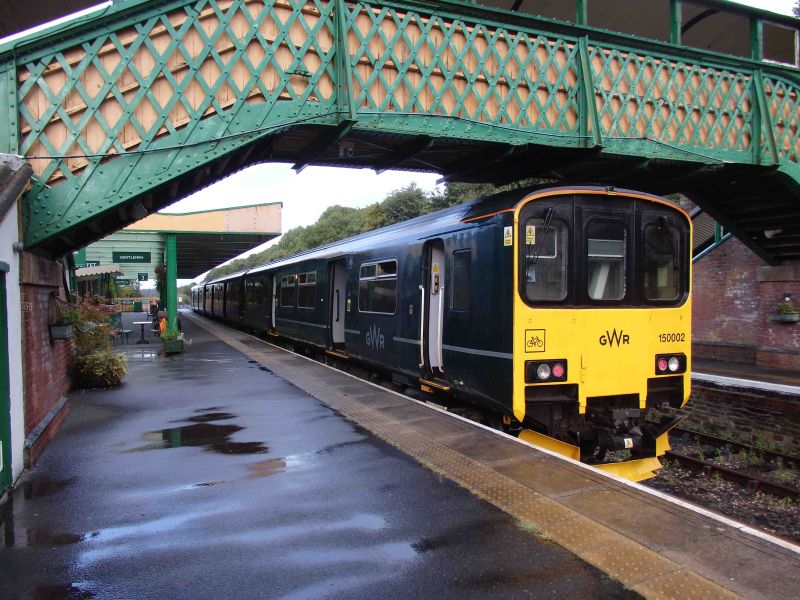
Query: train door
x=433 y=306
x=272 y=286
x=337 y=275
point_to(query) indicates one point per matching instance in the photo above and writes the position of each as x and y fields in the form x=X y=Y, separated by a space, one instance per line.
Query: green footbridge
x=128 y=109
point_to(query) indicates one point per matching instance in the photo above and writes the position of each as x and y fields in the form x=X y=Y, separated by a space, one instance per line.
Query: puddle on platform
x=141 y=353
x=204 y=484
x=44 y=487
x=215 y=438
x=211 y=416
x=334 y=447
x=265 y=369
x=428 y=545
x=39 y=537
x=209 y=409
x=62 y=592
x=24 y=538
x=266 y=468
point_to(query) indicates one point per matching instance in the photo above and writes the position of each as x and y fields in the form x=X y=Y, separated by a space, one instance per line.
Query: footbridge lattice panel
x=153 y=100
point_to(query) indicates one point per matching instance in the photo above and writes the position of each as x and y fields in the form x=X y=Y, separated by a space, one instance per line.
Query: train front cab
x=602 y=325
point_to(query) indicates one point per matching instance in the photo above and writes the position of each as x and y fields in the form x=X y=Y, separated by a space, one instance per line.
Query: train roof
x=418 y=227
x=422 y=227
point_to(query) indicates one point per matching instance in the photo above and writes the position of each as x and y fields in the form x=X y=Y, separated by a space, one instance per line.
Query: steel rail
x=757 y=484
x=718 y=442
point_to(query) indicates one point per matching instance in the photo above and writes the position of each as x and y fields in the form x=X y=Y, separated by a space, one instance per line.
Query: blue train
x=562 y=314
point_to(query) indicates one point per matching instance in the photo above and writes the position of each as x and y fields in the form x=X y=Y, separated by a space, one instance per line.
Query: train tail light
x=670 y=364
x=545 y=371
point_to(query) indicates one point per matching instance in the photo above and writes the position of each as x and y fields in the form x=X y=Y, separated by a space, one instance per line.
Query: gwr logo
x=609 y=339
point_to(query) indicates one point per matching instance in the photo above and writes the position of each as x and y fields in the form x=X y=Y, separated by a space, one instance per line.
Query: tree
x=400 y=205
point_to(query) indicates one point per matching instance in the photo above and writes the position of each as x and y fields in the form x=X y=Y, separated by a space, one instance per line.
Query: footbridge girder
x=124 y=112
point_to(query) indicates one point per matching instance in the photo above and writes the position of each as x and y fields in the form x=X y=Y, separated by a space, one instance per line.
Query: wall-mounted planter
x=60 y=332
x=172 y=346
x=786 y=318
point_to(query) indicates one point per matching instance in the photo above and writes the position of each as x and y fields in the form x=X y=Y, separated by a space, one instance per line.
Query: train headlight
x=546 y=371
x=670 y=364
x=543 y=372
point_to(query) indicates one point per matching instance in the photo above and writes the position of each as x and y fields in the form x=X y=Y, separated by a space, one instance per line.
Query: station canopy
x=87 y=273
x=205 y=239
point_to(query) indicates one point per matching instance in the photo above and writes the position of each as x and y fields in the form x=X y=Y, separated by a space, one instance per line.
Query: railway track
x=756 y=483
x=779 y=458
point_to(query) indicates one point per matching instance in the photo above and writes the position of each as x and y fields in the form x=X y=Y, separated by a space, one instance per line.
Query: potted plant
x=787 y=312
x=172 y=342
x=66 y=316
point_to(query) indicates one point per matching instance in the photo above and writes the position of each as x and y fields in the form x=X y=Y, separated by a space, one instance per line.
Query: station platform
x=240 y=468
x=746 y=376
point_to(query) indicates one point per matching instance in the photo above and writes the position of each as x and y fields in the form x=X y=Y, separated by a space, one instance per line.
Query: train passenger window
x=606 y=260
x=462 y=263
x=253 y=291
x=661 y=277
x=288 y=293
x=307 y=290
x=377 y=287
x=545 y=259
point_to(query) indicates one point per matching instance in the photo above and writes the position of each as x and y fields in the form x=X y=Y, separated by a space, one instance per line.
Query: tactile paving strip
x=634 y=565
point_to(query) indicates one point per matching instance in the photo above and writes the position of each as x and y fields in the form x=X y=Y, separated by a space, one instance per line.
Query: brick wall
x=734 y=293
x=45 y=362
x=749 y=415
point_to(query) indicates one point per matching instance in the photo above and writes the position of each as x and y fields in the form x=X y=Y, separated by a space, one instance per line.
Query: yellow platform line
x=632 y=564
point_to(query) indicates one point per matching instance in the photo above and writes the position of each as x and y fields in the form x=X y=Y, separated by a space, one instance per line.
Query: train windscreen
x=603 y=251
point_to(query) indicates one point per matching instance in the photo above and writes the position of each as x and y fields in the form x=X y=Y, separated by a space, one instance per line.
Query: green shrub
x=99 y=369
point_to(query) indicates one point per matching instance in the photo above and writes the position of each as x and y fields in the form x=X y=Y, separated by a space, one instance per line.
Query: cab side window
x=462 y=265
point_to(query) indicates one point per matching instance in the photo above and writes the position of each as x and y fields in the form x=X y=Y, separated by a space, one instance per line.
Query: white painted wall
x=9 y=233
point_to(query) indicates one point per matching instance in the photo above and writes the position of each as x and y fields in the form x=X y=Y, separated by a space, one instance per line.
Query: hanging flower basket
x=60 y=331
x=787 y=317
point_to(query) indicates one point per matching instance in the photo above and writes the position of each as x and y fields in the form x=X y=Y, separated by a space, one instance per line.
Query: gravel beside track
x=780 y=516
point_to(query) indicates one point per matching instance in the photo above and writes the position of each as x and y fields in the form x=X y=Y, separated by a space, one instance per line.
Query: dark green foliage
x=339 y=222
x=94 y=364
x=99 y=369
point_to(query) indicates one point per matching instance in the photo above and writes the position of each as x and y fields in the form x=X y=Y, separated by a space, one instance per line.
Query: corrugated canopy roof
x=92 y=272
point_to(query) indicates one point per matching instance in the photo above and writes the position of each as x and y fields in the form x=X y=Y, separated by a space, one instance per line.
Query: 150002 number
x=671 y=337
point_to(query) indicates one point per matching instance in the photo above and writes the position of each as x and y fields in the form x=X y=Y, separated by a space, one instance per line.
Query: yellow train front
x=602 y=325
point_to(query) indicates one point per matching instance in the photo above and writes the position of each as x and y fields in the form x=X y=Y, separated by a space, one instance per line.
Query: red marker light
x=662 y=364
x=558 y=370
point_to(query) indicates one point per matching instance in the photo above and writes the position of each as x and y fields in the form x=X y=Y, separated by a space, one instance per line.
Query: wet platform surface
x=650 y=543
x=207 y=475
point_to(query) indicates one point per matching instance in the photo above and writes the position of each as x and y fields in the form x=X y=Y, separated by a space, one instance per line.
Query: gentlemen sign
x=131 y=257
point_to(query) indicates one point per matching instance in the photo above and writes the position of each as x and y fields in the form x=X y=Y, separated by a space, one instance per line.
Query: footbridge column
x=171 y=260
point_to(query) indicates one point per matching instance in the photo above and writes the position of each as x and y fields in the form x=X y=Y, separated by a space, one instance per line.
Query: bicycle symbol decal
x=534 y=340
